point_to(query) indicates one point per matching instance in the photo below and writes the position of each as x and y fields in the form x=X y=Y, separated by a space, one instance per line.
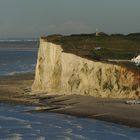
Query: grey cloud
x=69 y=27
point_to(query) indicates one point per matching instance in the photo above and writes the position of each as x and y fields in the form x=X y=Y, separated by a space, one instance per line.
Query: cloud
x=69 y=27
x=21 y=31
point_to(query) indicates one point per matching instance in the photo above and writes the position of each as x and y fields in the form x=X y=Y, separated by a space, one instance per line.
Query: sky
x=35 y=18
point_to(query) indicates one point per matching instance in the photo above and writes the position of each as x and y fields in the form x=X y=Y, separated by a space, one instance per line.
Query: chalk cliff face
x=58 y=72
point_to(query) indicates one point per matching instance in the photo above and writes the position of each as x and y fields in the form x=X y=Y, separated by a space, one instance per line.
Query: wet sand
x=16 y=89
x=111 y=110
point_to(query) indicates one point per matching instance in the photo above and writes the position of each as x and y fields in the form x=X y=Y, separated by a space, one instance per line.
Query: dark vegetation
x=100 y=48
x=115 y=46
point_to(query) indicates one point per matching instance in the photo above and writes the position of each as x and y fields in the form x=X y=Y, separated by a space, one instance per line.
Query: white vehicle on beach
x=136 y=60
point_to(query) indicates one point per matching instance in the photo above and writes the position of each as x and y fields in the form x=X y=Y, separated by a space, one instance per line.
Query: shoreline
x=16 y=89
x=110 y=110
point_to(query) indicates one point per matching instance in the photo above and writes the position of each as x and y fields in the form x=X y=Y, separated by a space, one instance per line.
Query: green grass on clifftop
x=115 y=46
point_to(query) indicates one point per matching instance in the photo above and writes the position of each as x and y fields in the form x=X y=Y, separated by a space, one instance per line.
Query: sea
x=19 y=122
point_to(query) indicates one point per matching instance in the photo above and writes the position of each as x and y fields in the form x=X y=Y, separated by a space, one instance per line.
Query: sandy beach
x=16 y=89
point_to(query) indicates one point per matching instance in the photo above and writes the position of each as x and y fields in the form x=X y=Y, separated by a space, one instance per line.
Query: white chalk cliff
x=58 y=72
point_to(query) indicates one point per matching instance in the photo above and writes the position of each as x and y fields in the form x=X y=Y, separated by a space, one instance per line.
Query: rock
x=67 y=73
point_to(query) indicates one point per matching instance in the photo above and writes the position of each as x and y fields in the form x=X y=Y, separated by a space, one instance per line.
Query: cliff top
x=101 y=48
x=89 y=42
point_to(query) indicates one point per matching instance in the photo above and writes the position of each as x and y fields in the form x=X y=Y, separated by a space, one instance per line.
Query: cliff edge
x=63 y=72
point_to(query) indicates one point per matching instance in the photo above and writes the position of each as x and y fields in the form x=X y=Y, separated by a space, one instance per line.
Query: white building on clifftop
x=136 y=60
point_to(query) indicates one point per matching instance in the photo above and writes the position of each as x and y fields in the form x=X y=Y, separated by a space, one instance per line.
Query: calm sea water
x=17 y=122
x=19 y=57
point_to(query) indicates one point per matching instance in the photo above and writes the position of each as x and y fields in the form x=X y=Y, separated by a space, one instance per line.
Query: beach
x=13 y=89
x=16 y=89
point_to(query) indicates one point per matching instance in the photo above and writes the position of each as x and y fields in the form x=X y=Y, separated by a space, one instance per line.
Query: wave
x=18 y=72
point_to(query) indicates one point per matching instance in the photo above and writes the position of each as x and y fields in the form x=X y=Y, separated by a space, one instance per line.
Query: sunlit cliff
x=61 y=72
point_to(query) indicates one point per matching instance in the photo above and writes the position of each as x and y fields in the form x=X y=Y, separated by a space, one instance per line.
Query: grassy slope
x=112 y=47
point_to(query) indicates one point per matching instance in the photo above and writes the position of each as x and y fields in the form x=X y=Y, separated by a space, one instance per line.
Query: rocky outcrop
x=59 y=72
